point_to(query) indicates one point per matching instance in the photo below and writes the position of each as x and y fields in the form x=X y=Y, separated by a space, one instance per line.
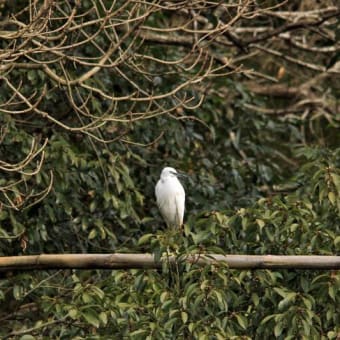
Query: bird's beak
x=181 y=174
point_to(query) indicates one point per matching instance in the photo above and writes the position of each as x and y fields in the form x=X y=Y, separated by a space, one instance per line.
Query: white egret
x=170 y=197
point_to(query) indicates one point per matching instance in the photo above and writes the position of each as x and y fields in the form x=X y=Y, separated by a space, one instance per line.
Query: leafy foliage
x=263 y=165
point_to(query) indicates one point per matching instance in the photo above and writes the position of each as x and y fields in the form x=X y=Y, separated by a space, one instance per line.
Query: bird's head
x=170 y=172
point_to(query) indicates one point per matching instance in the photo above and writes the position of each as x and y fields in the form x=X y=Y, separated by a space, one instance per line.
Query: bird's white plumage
x=170 y=197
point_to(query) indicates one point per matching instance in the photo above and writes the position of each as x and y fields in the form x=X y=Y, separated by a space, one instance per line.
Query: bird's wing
x=180 y=203
x=159 y=195
x=170 y=203
x=162 y=200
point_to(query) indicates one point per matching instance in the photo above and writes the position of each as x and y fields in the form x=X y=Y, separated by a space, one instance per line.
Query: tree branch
x=148 y=261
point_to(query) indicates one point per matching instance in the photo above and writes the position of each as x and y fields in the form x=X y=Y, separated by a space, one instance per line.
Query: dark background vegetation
x=97 y=96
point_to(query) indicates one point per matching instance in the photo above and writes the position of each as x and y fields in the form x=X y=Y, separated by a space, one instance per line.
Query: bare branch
x=85 y=67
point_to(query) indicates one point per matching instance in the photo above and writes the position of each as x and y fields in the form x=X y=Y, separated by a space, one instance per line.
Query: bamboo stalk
x=147 y=261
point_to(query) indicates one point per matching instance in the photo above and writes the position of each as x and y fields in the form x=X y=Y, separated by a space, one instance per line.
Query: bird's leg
x=172 y=245
x=181 y=229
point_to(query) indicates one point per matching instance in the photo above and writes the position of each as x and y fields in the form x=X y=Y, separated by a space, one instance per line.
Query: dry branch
x=148 y=261
x=98 y=63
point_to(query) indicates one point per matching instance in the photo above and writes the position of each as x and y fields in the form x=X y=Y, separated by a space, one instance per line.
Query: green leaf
x=306 y=327
x=332 y=335
x=73 y=313
x=286 y=301
x=242 y=321
x=91 y=317
x=27 y=337
x=336 y=181
x=203 y=337
x=93 y=206
x=191 y=327
x=260 y=223
x=3 y=215
x=305 y=284
x=138 y=333
x=221 y=301
x=220 y=336
x=267 y=318
x=191 y=289
x=337 y=241
x=87 y=298
x=32 y=75
x=103 y=318
x=255 y=299
x=163 y=296
x=107 y=195
x=331 y=197
x=115 y=202
x=332 y=292
x=278 y=328
x=84 y=222
x=184 y=316
x=201 y=236
x=166 y=305
x=17 y=292
x=307 y=303
x=280 y=291
x=92 y=234
x=98 y=292
x=145 y=239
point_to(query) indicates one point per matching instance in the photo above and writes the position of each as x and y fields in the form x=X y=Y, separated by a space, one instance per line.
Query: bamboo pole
x=147 y=261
